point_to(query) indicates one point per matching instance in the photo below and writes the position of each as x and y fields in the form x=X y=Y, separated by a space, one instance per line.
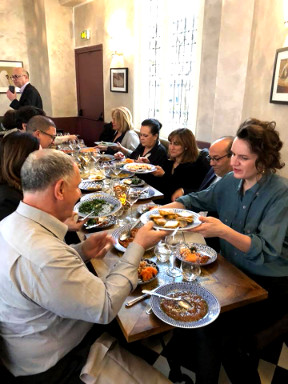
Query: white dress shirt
x=48 y=297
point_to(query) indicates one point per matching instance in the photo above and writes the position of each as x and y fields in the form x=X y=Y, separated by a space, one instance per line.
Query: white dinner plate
x=136 y=168
x=146 y=217
x=105 y=143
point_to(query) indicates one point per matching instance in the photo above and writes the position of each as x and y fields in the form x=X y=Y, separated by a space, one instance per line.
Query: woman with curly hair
x=252 y=206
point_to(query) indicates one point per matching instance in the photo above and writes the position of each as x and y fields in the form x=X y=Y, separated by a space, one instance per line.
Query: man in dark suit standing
x=29 y=94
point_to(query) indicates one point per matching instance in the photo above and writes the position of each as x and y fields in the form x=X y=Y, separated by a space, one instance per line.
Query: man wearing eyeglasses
x=43 y=128
x=219 y=157
x=29 y=94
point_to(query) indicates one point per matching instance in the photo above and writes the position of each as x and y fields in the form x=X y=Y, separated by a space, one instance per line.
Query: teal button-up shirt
x=261 y=213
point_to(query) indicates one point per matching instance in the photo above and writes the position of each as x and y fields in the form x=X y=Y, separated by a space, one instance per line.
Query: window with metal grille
x=170 y=50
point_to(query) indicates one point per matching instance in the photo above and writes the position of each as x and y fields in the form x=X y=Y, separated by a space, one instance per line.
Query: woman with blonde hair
x=126 y=138
x=186 y=167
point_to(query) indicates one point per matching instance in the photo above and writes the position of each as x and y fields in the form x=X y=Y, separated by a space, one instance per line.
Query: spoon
x=85 y=217
x=127 y=234
x=182 y=302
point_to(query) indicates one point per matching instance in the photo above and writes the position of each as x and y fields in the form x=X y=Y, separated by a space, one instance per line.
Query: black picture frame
x=6 y=67
x=119 y=80
x=279 y=87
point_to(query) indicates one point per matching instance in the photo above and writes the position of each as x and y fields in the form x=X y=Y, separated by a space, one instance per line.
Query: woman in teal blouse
x=252 y=206
x=251 y=202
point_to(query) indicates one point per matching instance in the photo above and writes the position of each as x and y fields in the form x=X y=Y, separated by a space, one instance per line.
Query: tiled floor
x=273 y=366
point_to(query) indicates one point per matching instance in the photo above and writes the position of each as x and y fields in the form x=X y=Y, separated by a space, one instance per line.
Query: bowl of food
x=98 y=205
x=147 y=271
x=122 y=245
x=196 y=253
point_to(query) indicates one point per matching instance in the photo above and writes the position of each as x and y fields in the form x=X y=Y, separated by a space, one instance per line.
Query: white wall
x=40 y=33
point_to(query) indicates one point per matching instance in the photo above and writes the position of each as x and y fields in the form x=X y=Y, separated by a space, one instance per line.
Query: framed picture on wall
x=6 y=68
x=279 y=87
x=119 y=80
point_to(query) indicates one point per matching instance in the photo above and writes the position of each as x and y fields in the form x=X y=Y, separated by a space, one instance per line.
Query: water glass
x=172 y=241
x=190 y=272
x=162 y=252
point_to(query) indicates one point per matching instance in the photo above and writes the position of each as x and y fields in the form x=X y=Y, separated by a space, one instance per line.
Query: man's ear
x=59 y=189
x=24 y=127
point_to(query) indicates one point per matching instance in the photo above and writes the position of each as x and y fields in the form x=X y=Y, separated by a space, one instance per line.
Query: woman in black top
x=150 y=150
x=14 y=149
x=186 y=167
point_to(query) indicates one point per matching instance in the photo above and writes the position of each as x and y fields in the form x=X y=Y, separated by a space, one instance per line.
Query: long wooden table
x=231 y=286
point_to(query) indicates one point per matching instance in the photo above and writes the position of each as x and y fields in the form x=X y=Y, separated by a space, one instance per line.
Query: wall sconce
x=117 y=53
x=285 y=12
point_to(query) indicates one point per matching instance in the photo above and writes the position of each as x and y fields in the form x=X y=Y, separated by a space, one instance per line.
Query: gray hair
x=43 y=168
x=39 y=123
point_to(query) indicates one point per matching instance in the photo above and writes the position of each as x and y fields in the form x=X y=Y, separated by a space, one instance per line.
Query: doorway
x=90 y=93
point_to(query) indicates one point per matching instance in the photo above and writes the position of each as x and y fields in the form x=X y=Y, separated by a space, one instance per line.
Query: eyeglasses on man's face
x=216 y=159
x=15 y=77
x=52 y=137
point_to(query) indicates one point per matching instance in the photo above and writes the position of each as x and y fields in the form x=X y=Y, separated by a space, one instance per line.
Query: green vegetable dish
x=97 y=206
x=136 y=180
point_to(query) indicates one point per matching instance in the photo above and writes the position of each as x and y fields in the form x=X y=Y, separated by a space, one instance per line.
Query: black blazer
x=30 y=96
x=210 y=176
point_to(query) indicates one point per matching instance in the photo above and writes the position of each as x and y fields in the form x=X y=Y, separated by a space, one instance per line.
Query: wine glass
x=172 y=241
x=120 y=217
x=132 y=196
x=116 y=167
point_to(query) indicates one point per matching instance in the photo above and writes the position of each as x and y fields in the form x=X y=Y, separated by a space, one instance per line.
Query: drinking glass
x=162 y=252
x=190 y=271
x=120 y=217
x=132 y=196
x=172 y=241
x=116 y=168
x=107 y=182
